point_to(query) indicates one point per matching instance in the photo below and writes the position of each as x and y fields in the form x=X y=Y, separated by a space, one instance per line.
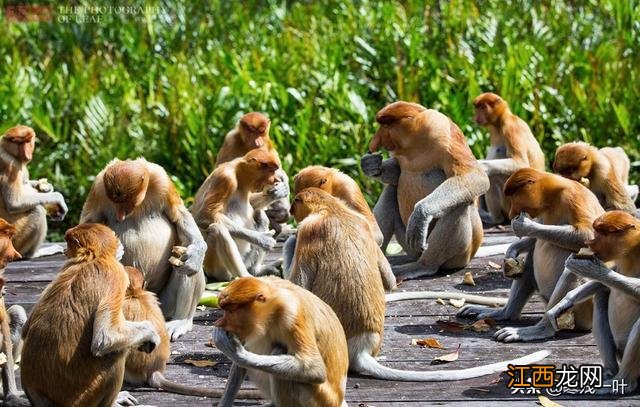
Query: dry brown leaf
x=210 y=344
x=480 y=326
x=468 y=279
x=457 y=303
x=545 y=402
x=450 y=326
x=441 y=301
x=428 y=342
x=449 y=357
x=566 y=320
x=494 y=265
x=200 y=363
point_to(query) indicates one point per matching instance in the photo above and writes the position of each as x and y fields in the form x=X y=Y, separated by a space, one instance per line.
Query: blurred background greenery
x=167 y=81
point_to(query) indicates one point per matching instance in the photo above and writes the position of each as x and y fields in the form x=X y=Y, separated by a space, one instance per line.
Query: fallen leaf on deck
x=210 y=344
x=449 y=357
x=545 y=402
x=457 y=303
x=428 y=342
x=468 y=279
x=494 y=265
x=450 y=326
x=441 y=301
x=200 y=363
x=483 y=325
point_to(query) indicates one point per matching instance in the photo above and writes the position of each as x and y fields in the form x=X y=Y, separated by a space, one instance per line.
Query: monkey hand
x=187 y=260
x=228 y=344
x=58 y=209
x=150 y=340
x=265 y=240
x=125 y=399
x=371 y=164
x=587 y=267
x=43 y=185
x=418 y=229
x=523 y=225
x=277 y=191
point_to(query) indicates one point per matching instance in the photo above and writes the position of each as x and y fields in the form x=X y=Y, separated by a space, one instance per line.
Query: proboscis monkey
x=565 y=211
x=616 y=295
x=11 y=320
x=339 y=185
x=252 y=132
x=148 y=368
x=337 y=259
x=433 y=183
x=138 y=200
x=604 y=171
x=23 y=202
x=289 y=342
x=229 y=209
x=76 y=339
x=512 y=146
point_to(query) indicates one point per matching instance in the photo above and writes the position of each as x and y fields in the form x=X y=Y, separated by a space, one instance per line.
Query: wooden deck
x=404 y=321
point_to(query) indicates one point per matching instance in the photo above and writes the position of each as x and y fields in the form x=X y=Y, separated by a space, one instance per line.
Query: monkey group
x=139 y=259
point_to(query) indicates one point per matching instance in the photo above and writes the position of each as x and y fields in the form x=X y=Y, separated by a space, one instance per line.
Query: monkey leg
x=11 y=344
x=17 y=319
x=179 y=299
x=234 y=382
x=602 y=333
x=278 y=214
x=387 y=214
x=223 y=250
x=494 y=198
x=629 y=366
x=448 y=245
x=288 y=250
x=521 y=290
x=32 y=232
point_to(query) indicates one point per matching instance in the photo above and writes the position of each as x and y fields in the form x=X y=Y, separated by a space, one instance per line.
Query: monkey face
x=485 y=108
x=8 y=253
x=526 y=189
x=399 y=126
x=573 y=161
x=254 y=129
x=20 y=141
x=615 y=234
x=261 y=167
x=91 y=240
x=125 y=184
x=246 y=306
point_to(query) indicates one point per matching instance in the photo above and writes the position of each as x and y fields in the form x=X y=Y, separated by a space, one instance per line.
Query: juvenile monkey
x=512 y=146
x=229 y=209
x=604 y=171
x=76 y=339
x=565 y=210
x=337 y=259
x=289 y=342
x=148 y=368
x=23 y=202
x=139 y=202
x=616 y=295
x=341 y=186
x=11 y=320
x=252 y=132
x=433 y=182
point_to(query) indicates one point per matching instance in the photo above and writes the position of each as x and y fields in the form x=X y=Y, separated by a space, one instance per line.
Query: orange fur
x=251 y=132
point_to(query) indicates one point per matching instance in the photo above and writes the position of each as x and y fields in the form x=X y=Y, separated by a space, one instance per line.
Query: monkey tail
x=365 y=364
x=158 y=381
x=445 y=295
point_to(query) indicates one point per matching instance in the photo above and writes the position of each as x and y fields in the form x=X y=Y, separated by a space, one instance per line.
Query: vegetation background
x=167 y=79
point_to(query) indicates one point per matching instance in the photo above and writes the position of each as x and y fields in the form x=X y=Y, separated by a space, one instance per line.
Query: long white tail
x=445 y=295
x=365 y=364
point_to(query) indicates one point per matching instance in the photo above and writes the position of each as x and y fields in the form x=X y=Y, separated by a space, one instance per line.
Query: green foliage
x=168 y=82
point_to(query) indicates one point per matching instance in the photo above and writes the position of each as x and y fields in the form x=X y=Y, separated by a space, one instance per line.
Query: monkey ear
x=322 y=182
x=260 y=297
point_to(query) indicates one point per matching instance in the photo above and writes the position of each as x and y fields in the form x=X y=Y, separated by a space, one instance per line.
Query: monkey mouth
x=259 y=142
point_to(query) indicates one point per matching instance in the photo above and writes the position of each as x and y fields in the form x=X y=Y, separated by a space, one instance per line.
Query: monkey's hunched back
x=347 y=239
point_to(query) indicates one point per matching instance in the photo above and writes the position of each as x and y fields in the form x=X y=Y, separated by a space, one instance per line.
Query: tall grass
x=168 y=83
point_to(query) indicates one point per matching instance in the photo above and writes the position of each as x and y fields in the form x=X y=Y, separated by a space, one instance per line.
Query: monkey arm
x=112 y=333
x=388 y=278
x=21 y=201
x=565 y=236
x=307 y=367
x=524 y=245
x=288 y=250
x=501 y=166
x=598 y=271
x=264 y=240
x=454 y=191
x=189 y=235
x=386 y=171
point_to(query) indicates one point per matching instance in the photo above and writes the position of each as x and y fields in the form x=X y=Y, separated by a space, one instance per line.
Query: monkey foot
x=530 y=333
x=481 y=312
x=179 y=327
x=413 y=270
x=125 y=399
